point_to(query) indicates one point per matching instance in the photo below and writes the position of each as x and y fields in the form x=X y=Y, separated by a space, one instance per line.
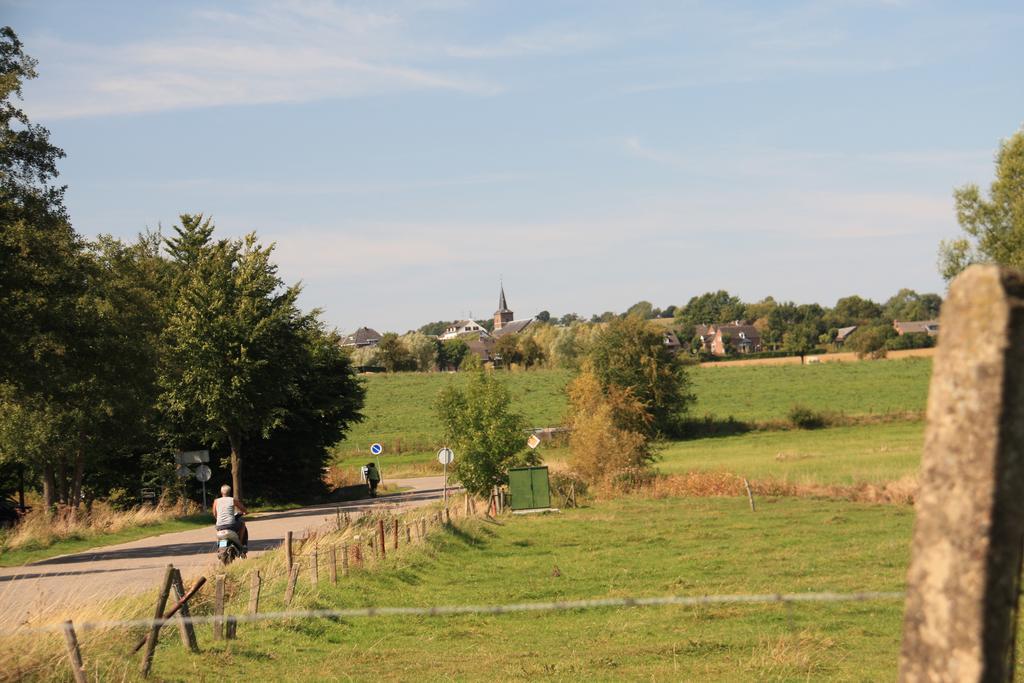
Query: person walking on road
x=372 y=475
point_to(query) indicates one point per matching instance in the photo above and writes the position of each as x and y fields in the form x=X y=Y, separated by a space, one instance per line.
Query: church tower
x=502 y=316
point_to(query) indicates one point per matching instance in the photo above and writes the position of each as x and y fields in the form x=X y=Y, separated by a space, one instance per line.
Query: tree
x=392 y=354
x=710 y=308
x=609 y=429
x=641 y=309
x=544 y=316
x=326 y=400
x=42 y=271
x=994 y=227
x=530 y=352
x=434 y=329
x=507 y=349
x=630 y=354
x=226 y=370
x=853 y=310
x=452 y=353
x=870 y=341
x=485 y=433
x=423 y=350
x=800 y=339
x=907 y=304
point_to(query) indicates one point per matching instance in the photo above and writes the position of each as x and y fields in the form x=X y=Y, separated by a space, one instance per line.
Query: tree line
x=114 y=354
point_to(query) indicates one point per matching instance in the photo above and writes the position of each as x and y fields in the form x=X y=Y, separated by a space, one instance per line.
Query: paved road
x=41 y=591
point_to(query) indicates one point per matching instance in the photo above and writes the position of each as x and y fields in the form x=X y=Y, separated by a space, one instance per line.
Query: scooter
x=229 y=546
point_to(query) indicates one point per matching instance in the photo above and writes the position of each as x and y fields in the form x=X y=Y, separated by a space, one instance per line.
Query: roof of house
x=481 y=347
x=734 y=330
x=513 y=327
x=843 y=332
x=362 y=337
x=671 y=340
x=916 y=326
x=701 y=330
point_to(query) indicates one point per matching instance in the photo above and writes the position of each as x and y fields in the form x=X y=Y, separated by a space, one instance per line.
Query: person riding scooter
x=228 y=512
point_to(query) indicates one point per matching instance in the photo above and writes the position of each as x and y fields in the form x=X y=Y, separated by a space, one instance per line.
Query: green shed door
x=541 y=490
x=529 y=488
x=520 y=487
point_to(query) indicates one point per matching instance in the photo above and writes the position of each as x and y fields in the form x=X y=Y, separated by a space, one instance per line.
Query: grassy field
x=628 y=547
x=842 y=455
x=399 y=408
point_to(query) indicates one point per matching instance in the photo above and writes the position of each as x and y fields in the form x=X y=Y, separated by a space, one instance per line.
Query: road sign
x=445 y=456
x=183 y=472
x=203 y=473
x=376 y=449
x=192 y=457
x=533 y=441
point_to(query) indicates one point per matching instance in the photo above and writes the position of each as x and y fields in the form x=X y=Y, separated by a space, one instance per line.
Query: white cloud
x=281 y=51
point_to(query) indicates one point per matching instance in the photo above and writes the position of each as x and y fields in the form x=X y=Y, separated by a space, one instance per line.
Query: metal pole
x=204 y=494
x=446 y=483
x=380 y=472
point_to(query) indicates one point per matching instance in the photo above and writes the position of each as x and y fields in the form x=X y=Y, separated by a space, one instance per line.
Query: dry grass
x=38 y=529
x=710 y=484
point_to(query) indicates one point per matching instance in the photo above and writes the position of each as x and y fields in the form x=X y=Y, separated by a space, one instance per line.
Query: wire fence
x=456 y=610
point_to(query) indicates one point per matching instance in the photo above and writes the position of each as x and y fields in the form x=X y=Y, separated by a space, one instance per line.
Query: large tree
x=994 y=227
x=631 y=354
x=42 y=273
x=227 y=372
x=486 y=434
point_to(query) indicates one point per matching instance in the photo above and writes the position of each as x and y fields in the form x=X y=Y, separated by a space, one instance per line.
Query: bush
x=803 y=417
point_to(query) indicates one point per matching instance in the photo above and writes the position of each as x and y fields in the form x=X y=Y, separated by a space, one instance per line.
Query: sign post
x=203 y=474
x=445 y=456
x=376 y=449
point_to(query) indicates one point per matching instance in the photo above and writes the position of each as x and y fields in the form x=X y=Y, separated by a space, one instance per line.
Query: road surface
x=48 y=590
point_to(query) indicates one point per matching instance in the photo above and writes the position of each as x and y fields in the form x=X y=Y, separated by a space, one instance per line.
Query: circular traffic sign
x=445 y=456
x=376 y=449
x=203 y=473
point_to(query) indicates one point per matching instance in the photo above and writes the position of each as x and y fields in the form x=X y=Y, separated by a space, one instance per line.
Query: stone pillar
x=963 y=582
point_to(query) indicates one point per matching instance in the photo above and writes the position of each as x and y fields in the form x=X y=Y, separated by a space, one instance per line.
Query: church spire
x=502 y=305
x=502 y=315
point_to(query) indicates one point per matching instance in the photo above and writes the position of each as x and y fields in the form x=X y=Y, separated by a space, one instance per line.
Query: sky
x=406 y=156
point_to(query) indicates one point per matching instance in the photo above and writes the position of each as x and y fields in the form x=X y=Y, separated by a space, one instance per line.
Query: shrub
x=803 y=417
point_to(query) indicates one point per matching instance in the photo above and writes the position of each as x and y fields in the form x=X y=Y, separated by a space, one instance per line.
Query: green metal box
x=528 y=488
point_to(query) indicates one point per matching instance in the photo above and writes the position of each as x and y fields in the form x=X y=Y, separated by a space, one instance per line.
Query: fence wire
x=455 y=610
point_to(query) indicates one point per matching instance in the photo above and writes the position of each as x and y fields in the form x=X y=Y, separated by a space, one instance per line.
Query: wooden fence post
x=963 y=583
x=344 y=560
x=288 y=549
x=408 y=534
x=396 y=533
x=314 y=568
x=74 y=654
x=750 y=495
x=255 y=586
x=158 y=614
x=380 y=532
x=218 y=608
x=357 y=551
x=232 y=628
x=333 y=565
x=289 y=591
x=185 y=627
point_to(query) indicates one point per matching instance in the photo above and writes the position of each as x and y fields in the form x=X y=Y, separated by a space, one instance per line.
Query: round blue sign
x=376 y=449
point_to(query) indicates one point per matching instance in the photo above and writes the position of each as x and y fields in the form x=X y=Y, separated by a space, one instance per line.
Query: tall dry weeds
x=41 y=529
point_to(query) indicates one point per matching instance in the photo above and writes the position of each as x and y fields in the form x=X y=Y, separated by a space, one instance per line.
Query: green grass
x=841 y=455
x=628 y=547
x=400 y=408
x=13 y=558
x=767 y=392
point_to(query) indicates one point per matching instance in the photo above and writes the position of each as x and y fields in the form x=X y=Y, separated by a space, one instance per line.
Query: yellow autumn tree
x=609 y=430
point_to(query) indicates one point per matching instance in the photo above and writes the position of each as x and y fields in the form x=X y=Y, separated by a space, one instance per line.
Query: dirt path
x=44 y=589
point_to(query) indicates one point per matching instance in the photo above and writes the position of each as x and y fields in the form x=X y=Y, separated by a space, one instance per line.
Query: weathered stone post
x=963 y=583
